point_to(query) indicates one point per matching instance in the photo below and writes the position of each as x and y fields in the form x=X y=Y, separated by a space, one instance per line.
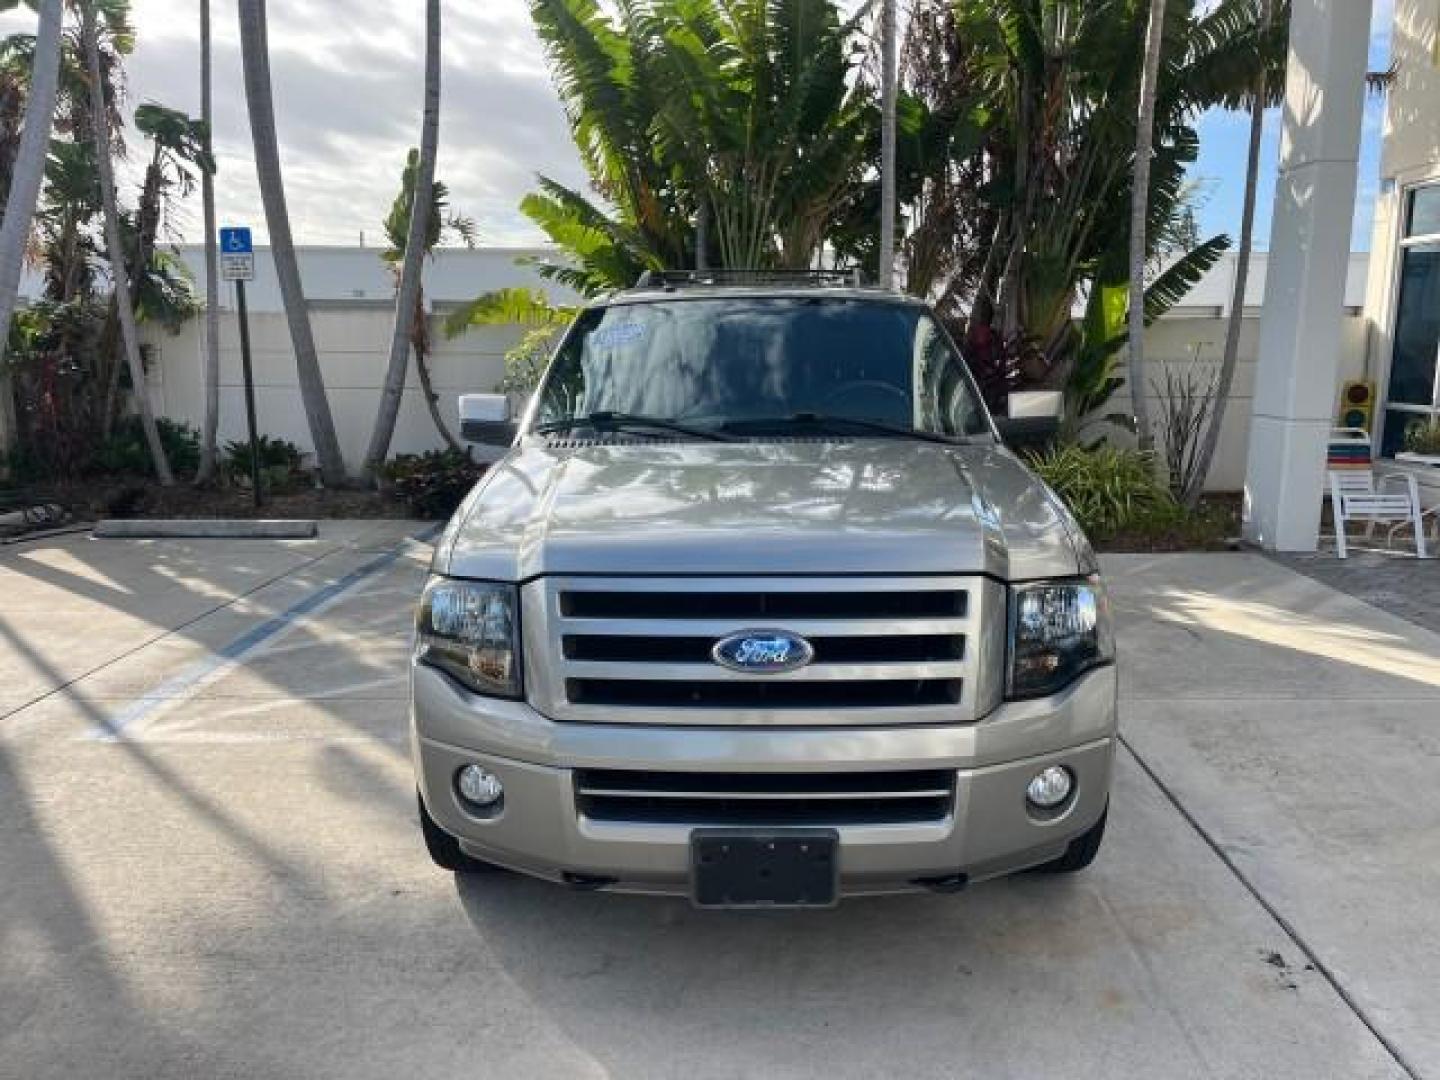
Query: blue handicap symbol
x=236 y=241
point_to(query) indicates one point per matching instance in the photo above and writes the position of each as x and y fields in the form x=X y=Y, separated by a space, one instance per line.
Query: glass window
x=1424 y=216
x=739 y=360
x=1417 y=342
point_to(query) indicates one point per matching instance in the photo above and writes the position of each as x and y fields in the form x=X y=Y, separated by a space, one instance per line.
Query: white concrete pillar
x=1300 y=326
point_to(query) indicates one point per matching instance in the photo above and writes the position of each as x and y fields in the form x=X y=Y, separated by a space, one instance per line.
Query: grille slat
x=813 y=673
x=713 y=628
x=758 y=604
x=639 y=650
x=758 y=693
x=765 y=798
x=632 y=649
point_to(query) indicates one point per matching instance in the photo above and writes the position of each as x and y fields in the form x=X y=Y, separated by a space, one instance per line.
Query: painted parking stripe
x=184 y=683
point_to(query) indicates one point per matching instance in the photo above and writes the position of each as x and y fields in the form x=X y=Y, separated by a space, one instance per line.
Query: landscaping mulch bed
x=1215 y=526
x=91 y=500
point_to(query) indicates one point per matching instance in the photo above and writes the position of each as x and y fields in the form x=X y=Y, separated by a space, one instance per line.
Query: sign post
x=237 y=264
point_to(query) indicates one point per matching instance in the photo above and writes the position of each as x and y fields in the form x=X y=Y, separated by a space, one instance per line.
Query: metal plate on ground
x=738 y=868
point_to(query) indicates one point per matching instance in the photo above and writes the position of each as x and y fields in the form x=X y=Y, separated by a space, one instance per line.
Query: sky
x=1224 y=142
x=347 y=83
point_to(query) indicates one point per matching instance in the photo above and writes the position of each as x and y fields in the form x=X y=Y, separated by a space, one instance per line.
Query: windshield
x=743 y=363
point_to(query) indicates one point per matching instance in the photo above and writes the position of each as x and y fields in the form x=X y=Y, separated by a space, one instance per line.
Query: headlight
x=469 y=630
x=1058 y=630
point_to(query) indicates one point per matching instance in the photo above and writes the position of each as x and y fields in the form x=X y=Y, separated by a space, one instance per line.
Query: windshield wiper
x=827 y=420
x=602 y=419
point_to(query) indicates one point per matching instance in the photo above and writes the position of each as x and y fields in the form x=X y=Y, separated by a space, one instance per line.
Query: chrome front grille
x=887 y=650
x=853 y=798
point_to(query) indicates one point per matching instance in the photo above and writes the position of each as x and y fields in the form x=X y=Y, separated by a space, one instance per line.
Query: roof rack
x=680 y=279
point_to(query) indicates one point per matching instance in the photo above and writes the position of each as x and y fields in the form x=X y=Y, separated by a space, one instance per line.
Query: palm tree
x=1014 y=173
x=254 y=54
x=1139 y=212
x=888 y=90
x=745 y=108
x=177 y=152
x=407 y=293
x=158 y=286
x=125 y=311
x=28 y=171
x=1258 y=100
x=759 y=117
x=209 y=430
x=611 y=116
x=400 y=232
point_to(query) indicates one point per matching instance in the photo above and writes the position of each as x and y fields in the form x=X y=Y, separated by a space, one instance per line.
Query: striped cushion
x=1348 y=453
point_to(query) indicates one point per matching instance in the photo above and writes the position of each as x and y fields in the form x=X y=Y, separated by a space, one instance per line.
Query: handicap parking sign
x=237 y=254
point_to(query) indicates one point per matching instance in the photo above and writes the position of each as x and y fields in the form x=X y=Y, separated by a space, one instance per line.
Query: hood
x=802 y=506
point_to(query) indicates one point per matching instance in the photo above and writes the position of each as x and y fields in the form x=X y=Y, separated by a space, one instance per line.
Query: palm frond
x=1182 y=275
x=508 y=307
x=1227 y=48
x=1378 y=83
x=604 y=254
x=589 y=64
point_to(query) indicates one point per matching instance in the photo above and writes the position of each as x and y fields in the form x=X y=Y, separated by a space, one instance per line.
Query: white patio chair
x=1355 y=496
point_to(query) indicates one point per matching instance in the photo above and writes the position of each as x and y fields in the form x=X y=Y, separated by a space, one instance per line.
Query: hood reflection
x=801 y=506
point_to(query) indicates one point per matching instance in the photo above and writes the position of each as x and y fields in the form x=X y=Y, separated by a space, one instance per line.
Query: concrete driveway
x=209 y=863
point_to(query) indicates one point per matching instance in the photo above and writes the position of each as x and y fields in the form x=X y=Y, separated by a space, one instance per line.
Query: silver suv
x=758 y=609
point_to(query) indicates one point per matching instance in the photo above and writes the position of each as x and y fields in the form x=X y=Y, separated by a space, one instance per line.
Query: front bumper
x=539 y=829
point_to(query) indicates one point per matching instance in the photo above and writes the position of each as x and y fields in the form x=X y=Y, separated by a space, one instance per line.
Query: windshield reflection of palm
x=713 y=363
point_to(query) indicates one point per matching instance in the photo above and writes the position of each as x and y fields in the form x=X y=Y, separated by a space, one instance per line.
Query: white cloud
x=347 y=83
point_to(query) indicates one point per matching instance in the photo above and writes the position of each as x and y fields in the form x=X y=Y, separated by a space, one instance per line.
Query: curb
x=204 y=529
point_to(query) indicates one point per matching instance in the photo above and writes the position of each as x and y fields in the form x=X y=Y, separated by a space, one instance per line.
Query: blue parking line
x=114 y=726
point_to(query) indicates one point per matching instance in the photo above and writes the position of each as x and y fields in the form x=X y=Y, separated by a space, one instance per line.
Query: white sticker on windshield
x=619 y=334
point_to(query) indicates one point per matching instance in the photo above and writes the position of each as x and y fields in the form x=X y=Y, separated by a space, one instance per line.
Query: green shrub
x=1423 y=436
x=21 y=467
x=279 y=461
x=1108 y=490
x=127 y=452
x=433 y=484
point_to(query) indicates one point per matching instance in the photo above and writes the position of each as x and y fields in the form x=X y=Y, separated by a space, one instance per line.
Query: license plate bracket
x=739 y=868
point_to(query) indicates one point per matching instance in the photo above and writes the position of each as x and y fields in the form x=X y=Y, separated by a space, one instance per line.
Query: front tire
x=1081 y=852
x=445 y=850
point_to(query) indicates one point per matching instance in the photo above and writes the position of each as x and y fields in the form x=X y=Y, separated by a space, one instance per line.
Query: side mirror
x=486 y=418
x=1034 y=419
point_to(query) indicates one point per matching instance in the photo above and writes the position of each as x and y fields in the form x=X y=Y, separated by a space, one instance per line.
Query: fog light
x=478 y=786
x=1050 y=787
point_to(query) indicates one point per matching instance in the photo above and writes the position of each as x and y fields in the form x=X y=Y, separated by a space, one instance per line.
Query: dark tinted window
x=1416 y=343
x=717 y=361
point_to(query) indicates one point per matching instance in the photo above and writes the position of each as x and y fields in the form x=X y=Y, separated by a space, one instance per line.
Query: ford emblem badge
x=763 y=651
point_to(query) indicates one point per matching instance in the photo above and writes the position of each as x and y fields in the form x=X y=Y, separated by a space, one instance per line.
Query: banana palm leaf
x=1182 y=275
x=602 y=254
x=508 y=307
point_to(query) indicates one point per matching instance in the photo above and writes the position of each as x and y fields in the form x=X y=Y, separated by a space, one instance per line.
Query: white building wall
x=351 y=315
x=1173 y=341
x=353 y=345
x=1412 y=121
